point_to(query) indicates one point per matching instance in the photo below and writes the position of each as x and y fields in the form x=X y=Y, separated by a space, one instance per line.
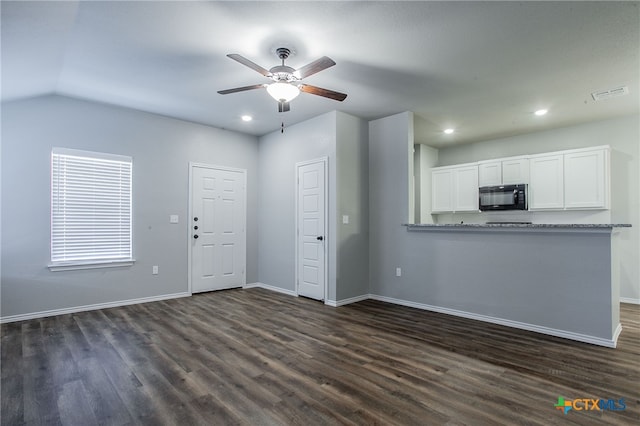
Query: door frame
x=193 y=164
x=325 y=163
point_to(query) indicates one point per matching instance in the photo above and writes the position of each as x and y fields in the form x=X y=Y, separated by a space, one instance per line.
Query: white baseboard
x=328 y=302
x=616 y=334
x=515 y=324
x=336 y=303
x=610 y=343
x=76 y=309
x=272 y=288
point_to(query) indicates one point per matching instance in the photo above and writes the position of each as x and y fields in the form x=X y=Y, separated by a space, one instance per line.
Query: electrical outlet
x=398 y=272
x=154 y=270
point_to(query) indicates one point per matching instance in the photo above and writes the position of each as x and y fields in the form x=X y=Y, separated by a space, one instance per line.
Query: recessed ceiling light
x=246 y=118
x=448 y=131
x=541 y=112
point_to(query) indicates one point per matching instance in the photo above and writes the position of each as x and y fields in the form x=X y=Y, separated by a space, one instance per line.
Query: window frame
x=104 y=262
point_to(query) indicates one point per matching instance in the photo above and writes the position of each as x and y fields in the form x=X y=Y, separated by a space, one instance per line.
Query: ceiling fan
x=286 y=80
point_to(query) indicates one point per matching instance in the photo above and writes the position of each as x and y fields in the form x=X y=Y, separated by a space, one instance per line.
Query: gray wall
x=390 y=142
x=563 y=280
x=278 y=154
x=446 y=269
x=367 y=180
x=161 y=149
x=623 y=135
x=352 y=275
x=343 y=139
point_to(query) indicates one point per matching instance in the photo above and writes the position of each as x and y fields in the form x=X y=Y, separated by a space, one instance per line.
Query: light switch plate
x=173 y=218
x=345 y=219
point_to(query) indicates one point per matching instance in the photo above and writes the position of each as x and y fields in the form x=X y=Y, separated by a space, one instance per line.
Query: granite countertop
x=518 y=225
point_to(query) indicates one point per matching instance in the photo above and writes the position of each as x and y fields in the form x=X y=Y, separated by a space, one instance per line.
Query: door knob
x=320 y=238
x=195 y=236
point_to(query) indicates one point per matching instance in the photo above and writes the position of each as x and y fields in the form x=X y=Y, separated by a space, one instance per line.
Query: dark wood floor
x=261 y=358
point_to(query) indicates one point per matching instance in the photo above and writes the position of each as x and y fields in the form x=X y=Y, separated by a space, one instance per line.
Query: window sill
x=73 y=266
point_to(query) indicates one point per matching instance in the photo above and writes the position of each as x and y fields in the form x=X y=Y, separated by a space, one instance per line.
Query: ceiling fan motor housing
x=283 y=73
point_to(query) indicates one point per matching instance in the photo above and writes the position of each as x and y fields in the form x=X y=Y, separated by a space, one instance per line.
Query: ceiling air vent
x=611 y=93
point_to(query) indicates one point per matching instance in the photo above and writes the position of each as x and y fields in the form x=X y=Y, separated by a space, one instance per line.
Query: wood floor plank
x=103 y=397
x=39 y=393
x=254 y=357
x=73 y=406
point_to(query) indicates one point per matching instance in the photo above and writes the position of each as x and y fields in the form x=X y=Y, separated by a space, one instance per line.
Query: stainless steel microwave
x=503 y=197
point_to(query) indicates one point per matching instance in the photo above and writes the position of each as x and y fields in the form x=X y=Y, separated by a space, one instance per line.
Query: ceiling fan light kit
x=283 y=91
x=286 y=80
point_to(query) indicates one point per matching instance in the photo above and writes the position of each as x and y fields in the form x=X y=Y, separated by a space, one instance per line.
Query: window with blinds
x=90 y=208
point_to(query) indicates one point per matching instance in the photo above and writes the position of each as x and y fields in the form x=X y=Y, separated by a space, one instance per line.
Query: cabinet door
x=546 y=186
x=441 y=191
x=585 y=180
x=490 y=174
x=465 y=189
x=515 y=171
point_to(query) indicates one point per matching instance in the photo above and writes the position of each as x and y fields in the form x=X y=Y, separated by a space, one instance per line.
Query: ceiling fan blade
x=283 y=106
x=241 y=89
x=322 y=92
x=314 y=67
x=248 y=63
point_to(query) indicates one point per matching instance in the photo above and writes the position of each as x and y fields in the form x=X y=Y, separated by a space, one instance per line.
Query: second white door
x=311 y=229
x=218 y=241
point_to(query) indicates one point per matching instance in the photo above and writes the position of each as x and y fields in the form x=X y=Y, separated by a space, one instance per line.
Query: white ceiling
x=480 y=67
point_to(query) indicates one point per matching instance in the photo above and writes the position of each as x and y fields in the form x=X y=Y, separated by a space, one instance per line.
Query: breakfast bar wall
x=561 y=280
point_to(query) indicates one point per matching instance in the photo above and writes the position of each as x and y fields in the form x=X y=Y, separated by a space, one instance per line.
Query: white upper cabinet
x=442 y=190
x=586 y=179
x=454 y=188
x=465 y=181
x=490 y=173
x=515 y=171
x=504 y=171
x=546 y=186
x=570 y=180
x=576 y=179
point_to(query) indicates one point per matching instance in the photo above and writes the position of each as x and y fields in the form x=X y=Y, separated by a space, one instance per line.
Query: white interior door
x=311 y=229
x=217 y=229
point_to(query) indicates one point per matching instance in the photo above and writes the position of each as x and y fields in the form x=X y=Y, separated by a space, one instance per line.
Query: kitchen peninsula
x=557 y=279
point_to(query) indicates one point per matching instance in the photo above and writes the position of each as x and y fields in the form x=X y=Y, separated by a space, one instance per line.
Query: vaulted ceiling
x=482 y=68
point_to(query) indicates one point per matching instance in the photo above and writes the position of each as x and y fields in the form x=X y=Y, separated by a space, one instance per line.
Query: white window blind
x=90 y=207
